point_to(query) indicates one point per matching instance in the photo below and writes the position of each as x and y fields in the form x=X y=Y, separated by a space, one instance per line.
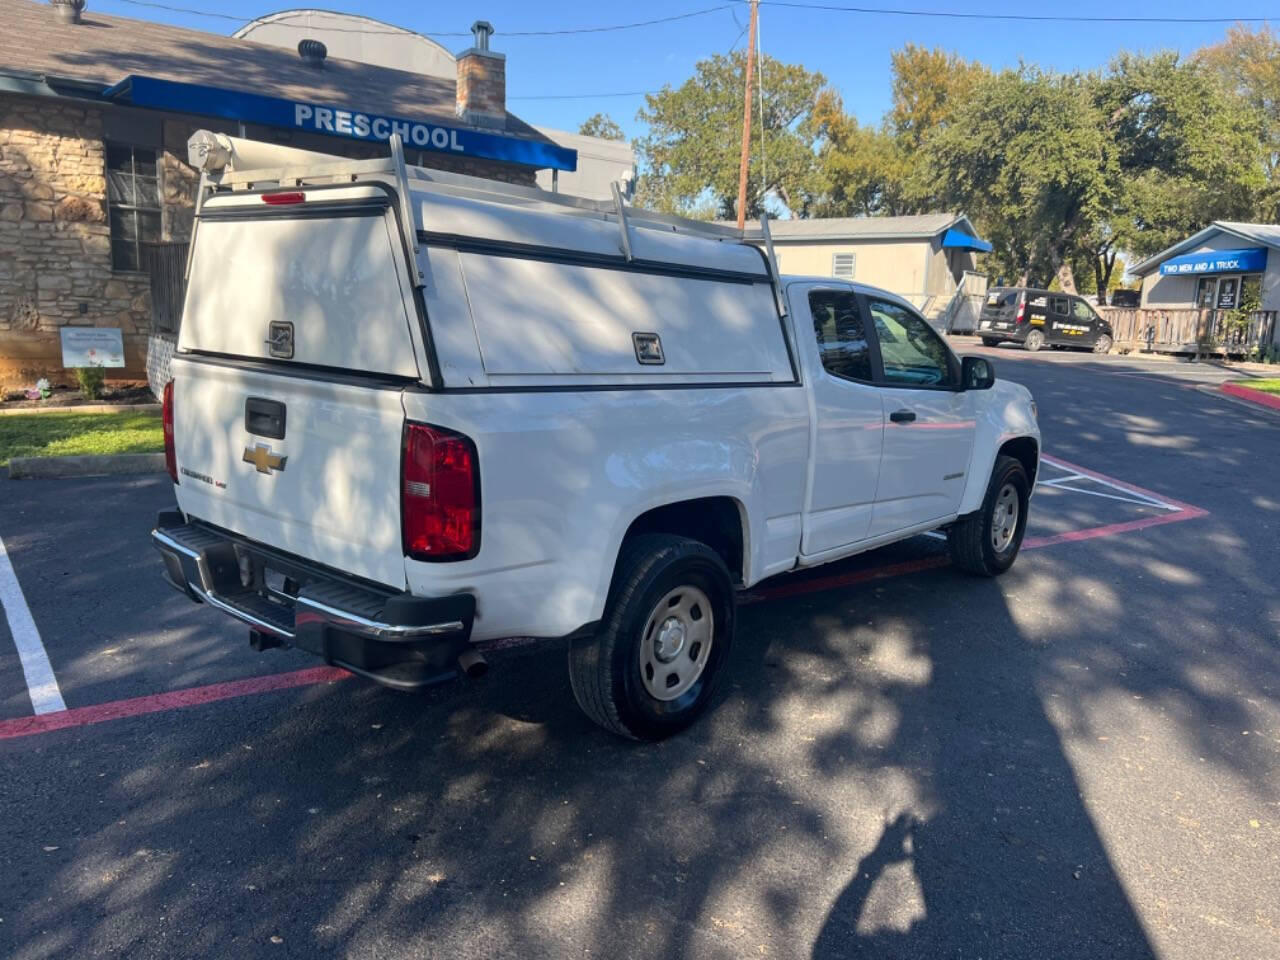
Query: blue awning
x=318 y=118
x=957 y=239
x=1247 y=260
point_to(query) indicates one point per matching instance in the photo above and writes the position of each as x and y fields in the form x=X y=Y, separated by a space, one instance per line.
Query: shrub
x=90 y=380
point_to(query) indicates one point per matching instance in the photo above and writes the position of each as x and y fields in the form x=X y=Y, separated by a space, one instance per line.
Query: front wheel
x=1034 y=341
x=1102 y=344
x=665 y=639
x=987 y=541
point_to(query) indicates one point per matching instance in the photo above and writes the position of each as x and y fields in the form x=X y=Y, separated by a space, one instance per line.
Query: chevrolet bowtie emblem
x=263 y=459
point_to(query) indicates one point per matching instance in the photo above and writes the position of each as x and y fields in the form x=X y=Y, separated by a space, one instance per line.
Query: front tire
x=1103 y=344
x=990 y=342
x=986 y=542
x=666 y=636
x=1034 y=341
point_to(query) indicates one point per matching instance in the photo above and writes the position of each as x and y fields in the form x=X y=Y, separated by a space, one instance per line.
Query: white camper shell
x=412 y=411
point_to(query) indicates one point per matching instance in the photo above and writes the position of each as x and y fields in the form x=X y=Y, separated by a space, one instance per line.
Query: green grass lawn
x=67 y=434
x=1271 y=385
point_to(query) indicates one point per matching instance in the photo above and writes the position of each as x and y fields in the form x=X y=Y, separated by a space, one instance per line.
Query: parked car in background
x=1038 y=318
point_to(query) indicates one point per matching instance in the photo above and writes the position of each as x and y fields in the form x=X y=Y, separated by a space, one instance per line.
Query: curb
x=87 y=408
x=90 y=465
x=1268 y=400
x=1217 y=394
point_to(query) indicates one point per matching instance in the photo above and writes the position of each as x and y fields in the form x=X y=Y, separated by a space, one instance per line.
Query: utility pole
x=746 y=117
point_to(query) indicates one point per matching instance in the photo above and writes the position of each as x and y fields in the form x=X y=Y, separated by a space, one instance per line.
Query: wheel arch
x=1025 y=448
x=721 y=522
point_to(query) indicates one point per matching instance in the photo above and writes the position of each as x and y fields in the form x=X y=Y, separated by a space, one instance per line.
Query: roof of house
x=104 y=49
x=1264 y=234
x=915 y=227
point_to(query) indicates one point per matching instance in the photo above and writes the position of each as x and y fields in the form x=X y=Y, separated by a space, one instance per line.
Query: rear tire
x=986 y=542
x=664 y=642
x=1034 y=341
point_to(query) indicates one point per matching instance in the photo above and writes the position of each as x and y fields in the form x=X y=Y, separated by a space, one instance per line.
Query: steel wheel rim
x=1004 y=518
x=676 y=643
x=1035 y=339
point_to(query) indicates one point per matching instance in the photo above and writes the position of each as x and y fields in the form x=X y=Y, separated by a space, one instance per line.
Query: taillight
x=1022 y=313
x=439 y=494
x=280 y=199
x=170 y=456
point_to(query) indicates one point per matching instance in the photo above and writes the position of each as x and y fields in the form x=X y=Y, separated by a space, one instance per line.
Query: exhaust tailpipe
x=473 y=664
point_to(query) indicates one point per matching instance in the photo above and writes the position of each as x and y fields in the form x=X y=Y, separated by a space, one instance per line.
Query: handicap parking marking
x=52 y=714
x=42 y=685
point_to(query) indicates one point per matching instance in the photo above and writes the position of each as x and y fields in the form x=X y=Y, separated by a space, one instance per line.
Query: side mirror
x=977 y=373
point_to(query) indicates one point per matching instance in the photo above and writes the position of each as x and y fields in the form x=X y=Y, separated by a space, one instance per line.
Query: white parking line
x=41 y=683
x=1144 y=502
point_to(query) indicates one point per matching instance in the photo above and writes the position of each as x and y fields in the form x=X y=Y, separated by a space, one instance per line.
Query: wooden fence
x=1191 y=331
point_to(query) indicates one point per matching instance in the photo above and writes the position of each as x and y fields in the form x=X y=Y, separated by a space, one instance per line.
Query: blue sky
x=851 y=50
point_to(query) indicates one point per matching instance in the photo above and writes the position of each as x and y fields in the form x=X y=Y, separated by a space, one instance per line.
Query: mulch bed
x=69 y=397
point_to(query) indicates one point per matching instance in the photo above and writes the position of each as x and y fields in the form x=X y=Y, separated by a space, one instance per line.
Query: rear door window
x=841 y=334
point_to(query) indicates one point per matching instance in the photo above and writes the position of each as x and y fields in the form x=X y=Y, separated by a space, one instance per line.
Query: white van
x=412 y=411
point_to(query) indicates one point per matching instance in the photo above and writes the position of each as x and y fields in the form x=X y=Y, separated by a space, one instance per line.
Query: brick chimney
x=482 y=81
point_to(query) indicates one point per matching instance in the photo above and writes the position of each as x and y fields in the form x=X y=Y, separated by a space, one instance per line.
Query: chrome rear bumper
x=375 y=632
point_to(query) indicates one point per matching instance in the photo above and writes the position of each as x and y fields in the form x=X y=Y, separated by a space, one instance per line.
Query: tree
x=929 y=86
x=1187 y=149
x=1247 y=62
x=1026 y=152
x=603 y=126
x=689 y=159
x=862 y=170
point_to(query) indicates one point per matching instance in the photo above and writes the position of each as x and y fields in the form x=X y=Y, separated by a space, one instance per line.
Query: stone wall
x=55 y=244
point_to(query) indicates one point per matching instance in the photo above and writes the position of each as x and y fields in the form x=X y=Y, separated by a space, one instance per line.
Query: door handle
x=902 y=416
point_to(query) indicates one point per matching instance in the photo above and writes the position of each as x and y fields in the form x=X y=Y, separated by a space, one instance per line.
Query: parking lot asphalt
x=1079 y=759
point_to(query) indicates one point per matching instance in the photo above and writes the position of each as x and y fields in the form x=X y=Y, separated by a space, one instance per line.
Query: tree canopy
x=690 y=155
x=603 y=126
x=1062 y=172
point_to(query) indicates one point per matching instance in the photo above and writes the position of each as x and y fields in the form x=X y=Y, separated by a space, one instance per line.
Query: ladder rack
x=233 y=163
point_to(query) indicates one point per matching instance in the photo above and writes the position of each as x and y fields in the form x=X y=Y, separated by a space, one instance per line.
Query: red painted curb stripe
x=155 y=703
x=1253 y=396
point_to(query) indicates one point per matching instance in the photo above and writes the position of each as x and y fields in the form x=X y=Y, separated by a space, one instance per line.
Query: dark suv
x=1035 y=318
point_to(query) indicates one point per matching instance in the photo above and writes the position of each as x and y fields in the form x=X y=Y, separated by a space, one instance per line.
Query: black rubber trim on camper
x=530 y=251
x=610 y=387
x=301 y=371
x=323 y=210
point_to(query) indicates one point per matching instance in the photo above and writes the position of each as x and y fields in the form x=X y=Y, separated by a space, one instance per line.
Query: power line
x=584 y=96
x=1031 y=17
x=395 y=31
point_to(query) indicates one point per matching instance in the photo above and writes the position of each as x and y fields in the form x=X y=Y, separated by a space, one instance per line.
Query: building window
x=133 y=203
x=842 y=265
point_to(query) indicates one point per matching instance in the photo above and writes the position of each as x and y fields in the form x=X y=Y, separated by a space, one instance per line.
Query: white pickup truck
x=411 y=412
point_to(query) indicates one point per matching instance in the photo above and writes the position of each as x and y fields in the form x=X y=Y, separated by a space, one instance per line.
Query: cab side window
x=842 y=337
x=911 y=351
x=1081 y=312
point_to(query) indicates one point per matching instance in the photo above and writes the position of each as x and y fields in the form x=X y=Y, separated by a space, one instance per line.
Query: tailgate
x=298 y=336
x=329 y=491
